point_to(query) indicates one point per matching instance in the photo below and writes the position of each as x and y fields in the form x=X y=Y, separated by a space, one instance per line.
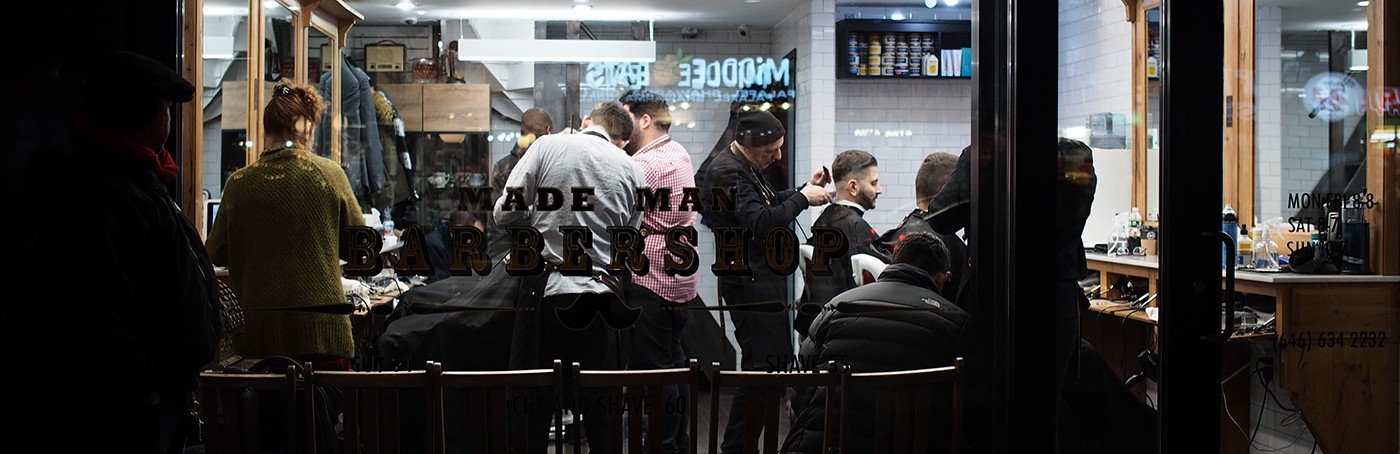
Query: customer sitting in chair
x=899 y=322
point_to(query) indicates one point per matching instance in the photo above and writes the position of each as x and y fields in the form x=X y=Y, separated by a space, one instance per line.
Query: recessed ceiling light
x=405 y=5
x=1363 y=3
x=950 y=2
x=752 y=1
x=582 y=7
x=930 y=3
x=897 y=16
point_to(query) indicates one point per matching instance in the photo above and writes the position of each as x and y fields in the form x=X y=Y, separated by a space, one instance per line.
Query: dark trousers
x=765 y=340
x=592 y=347
x=656 y=344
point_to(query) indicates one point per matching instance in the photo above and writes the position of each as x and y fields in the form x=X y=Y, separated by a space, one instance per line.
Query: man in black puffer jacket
x=854 y=331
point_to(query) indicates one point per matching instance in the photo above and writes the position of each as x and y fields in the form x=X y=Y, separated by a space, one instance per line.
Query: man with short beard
x=656 y=338
x=856 y=175
x=764 y=338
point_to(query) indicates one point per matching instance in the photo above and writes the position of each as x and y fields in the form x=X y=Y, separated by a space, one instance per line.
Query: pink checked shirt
x=666 y=165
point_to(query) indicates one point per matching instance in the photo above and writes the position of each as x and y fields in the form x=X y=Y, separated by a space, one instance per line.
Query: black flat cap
x=758 y=128
x=134 y=75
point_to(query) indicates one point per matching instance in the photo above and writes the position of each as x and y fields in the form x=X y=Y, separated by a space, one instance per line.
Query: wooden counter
x=1337 y=344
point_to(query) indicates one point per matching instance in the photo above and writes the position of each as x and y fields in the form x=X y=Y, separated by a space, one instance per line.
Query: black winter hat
x=139 y=75
x=758 y=128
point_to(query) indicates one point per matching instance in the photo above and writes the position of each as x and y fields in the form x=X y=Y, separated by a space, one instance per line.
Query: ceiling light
x=897 y=16
x=582 y=7
x=785 y=105
x=558 y=51
x=609 y=15
x=685 y=105
x=765 y=106
x=752 y=1
x=421 y=12
x=930 y=3
x=950 y=2
x=1363 y=3
x=405 y=5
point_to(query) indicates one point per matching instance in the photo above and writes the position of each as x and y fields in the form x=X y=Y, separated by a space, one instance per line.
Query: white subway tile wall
x=1268 y=155
x=900 y=122
x=1304 y=140
x=1095 y=70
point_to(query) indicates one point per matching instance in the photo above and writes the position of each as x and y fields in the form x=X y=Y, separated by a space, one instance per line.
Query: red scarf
x=159 y=161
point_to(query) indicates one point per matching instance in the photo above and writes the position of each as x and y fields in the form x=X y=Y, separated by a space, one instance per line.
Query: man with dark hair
x=765 y=338
x=110 y=359
x=439 y=241
x=933 y=175
x=899 y=322
x=656 y=338
x=856 y=174
x=563 y=326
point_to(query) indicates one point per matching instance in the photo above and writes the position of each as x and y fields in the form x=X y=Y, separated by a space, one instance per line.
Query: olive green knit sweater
x=278 y=231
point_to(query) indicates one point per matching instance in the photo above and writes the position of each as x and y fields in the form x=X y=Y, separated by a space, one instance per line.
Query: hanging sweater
x=278 y=231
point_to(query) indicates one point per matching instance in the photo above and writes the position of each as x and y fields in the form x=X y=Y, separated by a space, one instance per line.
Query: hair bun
x=525 y=141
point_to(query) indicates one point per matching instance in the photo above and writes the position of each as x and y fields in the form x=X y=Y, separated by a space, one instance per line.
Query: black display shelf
x=946 y=35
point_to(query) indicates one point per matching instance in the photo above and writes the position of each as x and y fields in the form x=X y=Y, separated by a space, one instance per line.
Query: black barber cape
x=463 y=340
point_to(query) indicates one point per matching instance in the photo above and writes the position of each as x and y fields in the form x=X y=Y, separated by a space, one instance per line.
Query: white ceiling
x=1298 y=15
x=670 y=13
x=1313 y=15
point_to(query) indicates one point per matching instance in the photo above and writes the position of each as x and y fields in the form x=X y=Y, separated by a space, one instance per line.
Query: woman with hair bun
x=278 y=231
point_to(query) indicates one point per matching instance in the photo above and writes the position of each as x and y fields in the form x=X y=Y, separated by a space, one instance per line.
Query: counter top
x=1152 y=262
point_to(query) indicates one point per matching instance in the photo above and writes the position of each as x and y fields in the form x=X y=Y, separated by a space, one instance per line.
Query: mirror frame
x=1138 y=16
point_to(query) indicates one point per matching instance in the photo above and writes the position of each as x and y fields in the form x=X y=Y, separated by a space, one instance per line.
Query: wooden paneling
x=1338 y=351
x=252 y=94
x=442 y=107
x=192 y=118
x=1238 y=147
x=1140 y=177
x=1245 y=112
x=1230 y=146
x=1383 y=159
x=408 y=100
x=457 y=107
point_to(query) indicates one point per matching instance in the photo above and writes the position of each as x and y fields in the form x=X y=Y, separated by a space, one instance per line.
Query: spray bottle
x=1265 y=249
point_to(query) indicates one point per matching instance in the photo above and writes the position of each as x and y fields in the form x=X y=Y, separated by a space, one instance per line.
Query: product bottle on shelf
x=1245 y=258
x=1230 y=224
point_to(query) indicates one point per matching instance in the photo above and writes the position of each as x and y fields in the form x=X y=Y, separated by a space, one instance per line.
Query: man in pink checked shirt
x=656 y=338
